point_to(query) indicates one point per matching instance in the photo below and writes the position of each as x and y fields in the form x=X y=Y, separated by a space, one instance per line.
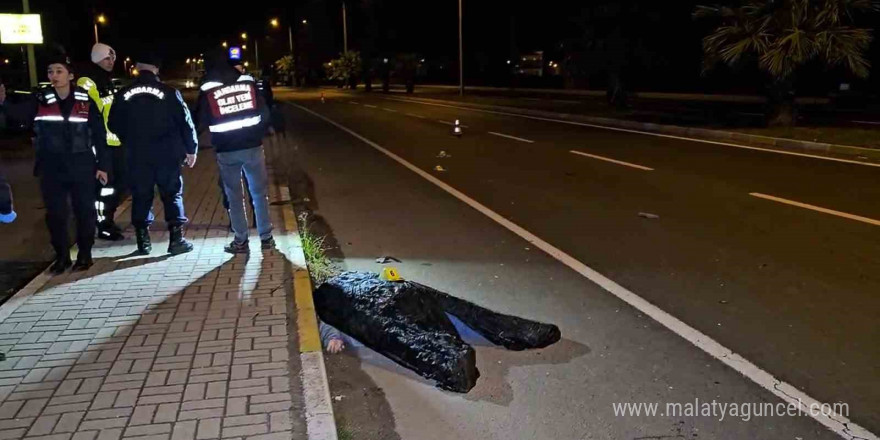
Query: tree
x=407 y=68
x=346 y=68
x=783 y=36
x=286 y=66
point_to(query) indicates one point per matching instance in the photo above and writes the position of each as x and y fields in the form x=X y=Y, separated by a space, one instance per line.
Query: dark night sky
x=494 y=29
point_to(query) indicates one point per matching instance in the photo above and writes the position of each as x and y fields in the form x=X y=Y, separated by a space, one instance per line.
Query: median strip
x=857 y=218
x=607 y=159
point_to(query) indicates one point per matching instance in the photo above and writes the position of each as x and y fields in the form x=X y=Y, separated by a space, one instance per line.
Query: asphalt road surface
x=776 y=257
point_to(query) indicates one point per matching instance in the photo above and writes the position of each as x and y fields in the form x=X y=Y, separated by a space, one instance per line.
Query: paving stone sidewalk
x=196 y=346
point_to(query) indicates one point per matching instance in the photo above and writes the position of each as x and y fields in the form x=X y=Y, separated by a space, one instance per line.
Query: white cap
x=101 y=51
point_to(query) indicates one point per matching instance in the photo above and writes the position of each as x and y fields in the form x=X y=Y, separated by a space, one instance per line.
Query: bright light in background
x=274 y=22
x=102 y=19
x=244 y=35
x=305 y=22
x=225 y=44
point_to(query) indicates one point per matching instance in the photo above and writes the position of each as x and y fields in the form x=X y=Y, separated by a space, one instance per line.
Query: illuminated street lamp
x=244 y=36
x=225 y=44
x=276 y=24
x=100 y=19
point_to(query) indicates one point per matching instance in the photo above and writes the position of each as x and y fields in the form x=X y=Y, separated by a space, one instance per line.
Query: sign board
x=21 y=29
x=234 y=53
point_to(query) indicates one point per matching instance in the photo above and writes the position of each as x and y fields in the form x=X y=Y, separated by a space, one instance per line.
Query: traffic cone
x=322 y=97
x=456 y=129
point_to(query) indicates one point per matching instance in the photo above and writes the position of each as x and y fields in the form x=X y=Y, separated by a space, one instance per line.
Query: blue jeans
x=253 y=162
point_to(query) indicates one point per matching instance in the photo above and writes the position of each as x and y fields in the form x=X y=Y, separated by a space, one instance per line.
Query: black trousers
x=145 y=177
x=109 y=196
x=66 y=182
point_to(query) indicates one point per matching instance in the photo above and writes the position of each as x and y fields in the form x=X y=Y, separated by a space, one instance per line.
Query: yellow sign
x=21 y=29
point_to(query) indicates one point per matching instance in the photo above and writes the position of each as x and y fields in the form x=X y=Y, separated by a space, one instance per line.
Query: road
x=776 y=257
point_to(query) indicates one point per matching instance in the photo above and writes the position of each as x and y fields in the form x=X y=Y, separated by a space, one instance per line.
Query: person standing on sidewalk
x=96 y=78
x=154 y=123
x=236 y=115
x=69 y=132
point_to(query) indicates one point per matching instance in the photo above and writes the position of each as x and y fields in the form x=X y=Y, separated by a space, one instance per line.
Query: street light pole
x=96 y=33
x=290 y=37
x=257 y=53
x=460 y=52
x=31 y=59
x=344 y=30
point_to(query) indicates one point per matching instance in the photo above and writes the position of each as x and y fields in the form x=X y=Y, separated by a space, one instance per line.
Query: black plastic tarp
x=407 y=322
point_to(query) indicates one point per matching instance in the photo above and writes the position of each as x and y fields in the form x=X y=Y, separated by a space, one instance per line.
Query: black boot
x=107 y=230
x=178 y=244
x=143 y=241
x=62 y=262
x=83 y=261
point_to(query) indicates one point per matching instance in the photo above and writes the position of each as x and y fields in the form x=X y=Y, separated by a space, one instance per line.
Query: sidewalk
x=196 y=346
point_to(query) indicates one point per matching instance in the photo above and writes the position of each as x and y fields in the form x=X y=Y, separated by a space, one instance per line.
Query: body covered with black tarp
x=407 y=322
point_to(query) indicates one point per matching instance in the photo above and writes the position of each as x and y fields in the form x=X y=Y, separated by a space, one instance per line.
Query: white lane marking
x=868 y=122
x=450 y=123
x=416 y=116
x=389 y=110
x=352 y=102
x=857 y=218
x=370 y=106
x=511 y=137
x=647 y=133
x=607 y=159
x=788 y=393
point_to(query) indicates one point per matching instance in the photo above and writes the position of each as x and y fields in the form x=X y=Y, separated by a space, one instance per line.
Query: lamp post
x=460 y=52
x=31 y=59
x=102 y=20
x=276 y=24
x=344 y=30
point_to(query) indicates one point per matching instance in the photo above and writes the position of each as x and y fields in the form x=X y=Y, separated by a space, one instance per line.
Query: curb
x=857 y=153
x=320 y=421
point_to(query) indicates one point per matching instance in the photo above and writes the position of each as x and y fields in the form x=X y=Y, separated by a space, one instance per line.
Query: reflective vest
x=103 y=104
x=57 y=134
x=233 y=106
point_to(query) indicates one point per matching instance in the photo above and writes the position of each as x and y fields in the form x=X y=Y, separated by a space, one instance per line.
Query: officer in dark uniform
x=96 y=78
x=155 y=125
x=69 y=131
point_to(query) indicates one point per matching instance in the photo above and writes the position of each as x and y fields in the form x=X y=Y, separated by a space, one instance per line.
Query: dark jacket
x=62 y=127
x=153 y=122
x=233 y=110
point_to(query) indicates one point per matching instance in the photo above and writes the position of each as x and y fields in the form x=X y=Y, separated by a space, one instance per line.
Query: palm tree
x=286 y=66
x=782 y=36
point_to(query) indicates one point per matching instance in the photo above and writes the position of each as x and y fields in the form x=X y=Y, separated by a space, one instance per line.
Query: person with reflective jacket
x=71 y=154
x=236 y=115
x=96 y=78
x=155 y=125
